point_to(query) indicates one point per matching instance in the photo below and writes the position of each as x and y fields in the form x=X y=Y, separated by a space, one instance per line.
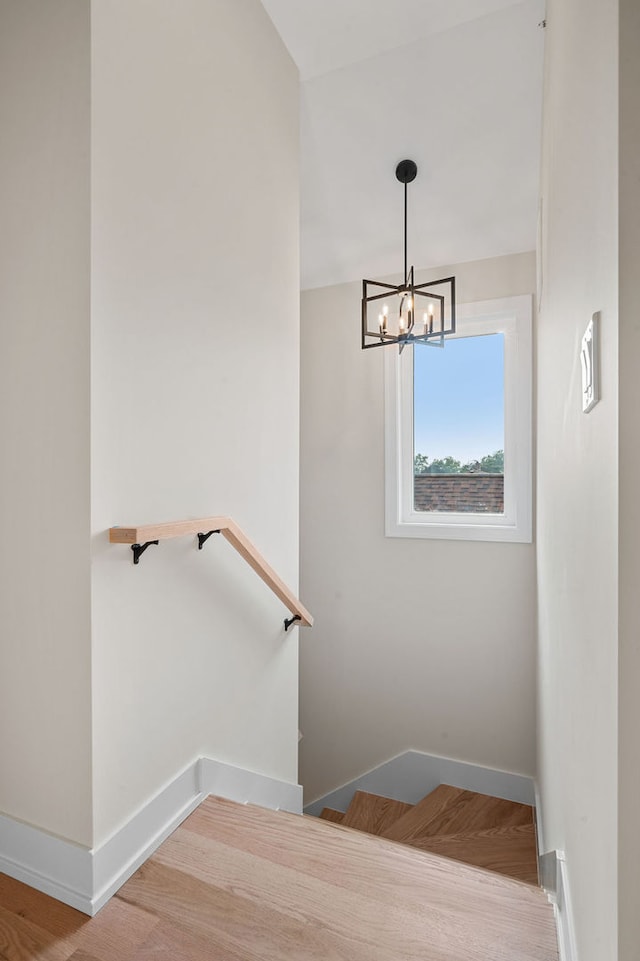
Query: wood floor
x=488 y=832
x=240 y=883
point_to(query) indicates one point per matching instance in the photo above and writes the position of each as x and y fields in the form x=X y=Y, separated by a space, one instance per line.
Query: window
x=458 y=429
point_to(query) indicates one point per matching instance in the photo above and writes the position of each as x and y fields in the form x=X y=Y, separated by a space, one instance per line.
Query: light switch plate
x=589 y=361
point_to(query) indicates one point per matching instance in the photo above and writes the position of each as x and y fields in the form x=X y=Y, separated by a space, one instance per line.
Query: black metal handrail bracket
x=204 y=537
x=139 y=549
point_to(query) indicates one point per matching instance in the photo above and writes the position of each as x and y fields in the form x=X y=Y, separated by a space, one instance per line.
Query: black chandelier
x=418 y=316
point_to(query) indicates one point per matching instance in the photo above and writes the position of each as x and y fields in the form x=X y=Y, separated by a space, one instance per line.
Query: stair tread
x=510 y=851
x=449 y=810
x=373 y=813
x=329 y=814
x=356 y=896
x=426 y=810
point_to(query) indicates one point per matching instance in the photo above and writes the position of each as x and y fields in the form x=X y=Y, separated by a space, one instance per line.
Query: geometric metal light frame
x=437 y=296
x=440 y=324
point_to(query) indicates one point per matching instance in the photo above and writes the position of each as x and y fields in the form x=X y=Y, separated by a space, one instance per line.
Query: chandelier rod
x=406 y=172
x=405 y=232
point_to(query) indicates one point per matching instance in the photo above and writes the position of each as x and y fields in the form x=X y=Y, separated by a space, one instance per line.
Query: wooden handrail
x=231 y=532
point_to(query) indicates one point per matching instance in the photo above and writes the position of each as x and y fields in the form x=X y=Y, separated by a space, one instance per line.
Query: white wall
x=45 y=713
x=577 y=465
x=629 y=649
x=194 y=389
x=417 y=643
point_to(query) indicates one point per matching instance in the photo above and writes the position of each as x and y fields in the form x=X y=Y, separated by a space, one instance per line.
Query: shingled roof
x=476 y=493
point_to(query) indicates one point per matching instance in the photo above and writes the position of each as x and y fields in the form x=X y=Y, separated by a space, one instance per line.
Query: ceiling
x=455 y=85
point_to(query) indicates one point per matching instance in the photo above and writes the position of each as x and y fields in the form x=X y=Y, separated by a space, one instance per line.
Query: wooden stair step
x=510 y=851
x=373 y=813
x=278 y=885
x=236 y=882
x=328 y=814
x=422 y=813
x=449 y=810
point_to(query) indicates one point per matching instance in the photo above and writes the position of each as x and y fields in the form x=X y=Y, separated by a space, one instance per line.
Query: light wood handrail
x=234 y=535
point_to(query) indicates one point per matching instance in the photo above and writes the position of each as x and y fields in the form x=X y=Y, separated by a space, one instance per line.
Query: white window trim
x=512 y=317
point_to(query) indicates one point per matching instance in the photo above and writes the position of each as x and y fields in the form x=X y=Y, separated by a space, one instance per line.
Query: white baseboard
x=247 y=787
x=86 y=879
x=564 y=913
x=117 y=858
x=56 y=867
x=554 y=879
x=539 y=825
x=552 y=866
x=409 y=776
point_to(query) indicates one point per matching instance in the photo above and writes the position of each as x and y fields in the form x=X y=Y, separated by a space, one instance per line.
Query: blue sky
x=459 y=398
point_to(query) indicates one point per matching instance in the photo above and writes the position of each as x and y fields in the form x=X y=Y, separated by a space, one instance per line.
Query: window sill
x=470 y=527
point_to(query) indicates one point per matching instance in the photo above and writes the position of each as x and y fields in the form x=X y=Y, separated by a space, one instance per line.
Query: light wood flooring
x=240 y=883
x=488 y=832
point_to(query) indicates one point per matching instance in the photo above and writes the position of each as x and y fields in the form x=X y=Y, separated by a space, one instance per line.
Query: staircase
x=484 y=831
x=241 y=883
x=269 y=886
